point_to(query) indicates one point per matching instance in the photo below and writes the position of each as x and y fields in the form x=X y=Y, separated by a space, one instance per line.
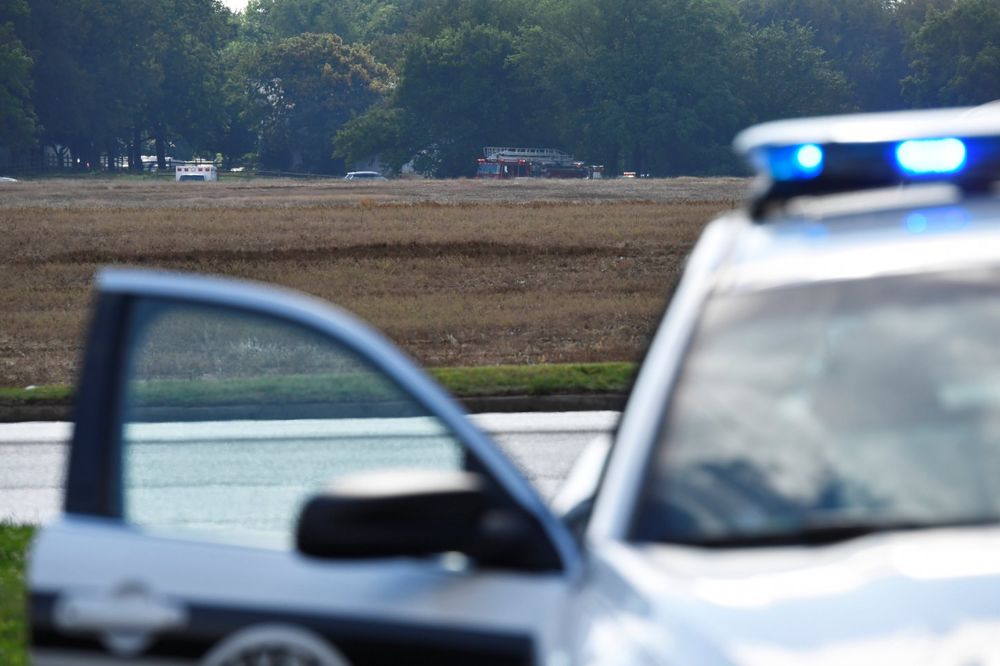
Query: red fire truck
x=501 y=162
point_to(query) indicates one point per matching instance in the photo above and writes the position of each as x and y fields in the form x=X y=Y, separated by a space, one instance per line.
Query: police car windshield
x=849 y=407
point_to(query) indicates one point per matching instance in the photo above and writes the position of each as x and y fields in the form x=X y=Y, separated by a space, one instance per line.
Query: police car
x=805 y=471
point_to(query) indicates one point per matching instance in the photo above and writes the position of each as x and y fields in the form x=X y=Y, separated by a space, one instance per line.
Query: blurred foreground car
x=805 y=471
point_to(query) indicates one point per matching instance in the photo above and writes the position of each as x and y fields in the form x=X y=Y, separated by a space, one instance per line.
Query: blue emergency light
x=919 y=157
x=794 y=162
x=848 y=153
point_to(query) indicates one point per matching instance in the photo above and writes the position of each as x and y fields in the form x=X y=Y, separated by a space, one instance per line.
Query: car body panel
x=930 y=238
x=408 y=605
x=640 y=421
x=917 y=597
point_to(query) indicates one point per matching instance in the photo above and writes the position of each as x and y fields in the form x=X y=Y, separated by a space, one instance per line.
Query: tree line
x=652 y=86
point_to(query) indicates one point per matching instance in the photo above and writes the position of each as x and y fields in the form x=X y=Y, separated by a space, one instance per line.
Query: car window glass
x=832 y=405
x=232 y=420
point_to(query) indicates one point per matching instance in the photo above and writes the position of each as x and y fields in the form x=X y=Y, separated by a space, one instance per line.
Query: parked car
x=805 y=471
x=364 y=175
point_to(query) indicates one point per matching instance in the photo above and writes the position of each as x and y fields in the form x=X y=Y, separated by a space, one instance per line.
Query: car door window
x=231 y=420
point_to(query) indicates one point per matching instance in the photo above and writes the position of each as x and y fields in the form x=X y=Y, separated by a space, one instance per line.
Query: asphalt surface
x=33 y=456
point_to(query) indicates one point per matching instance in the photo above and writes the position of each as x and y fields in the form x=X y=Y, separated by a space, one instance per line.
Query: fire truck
x=502 y=162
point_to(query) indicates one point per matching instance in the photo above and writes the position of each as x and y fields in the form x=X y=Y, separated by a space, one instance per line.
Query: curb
x=584 y=402
x=42 y=412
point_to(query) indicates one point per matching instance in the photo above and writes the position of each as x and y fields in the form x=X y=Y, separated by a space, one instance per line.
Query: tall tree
x=97 y=89
x=956 y=56
x=183 y=85
x=864 y=39
x=376 y=23
x=17 y=115
x=301 y=90
x=643 y=86
x=458 y=94
x=791 y=76
x=382 y=132
x=65 y=90
x=272 y=20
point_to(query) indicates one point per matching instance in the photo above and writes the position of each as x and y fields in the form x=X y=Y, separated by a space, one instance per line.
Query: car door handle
x=131 y=610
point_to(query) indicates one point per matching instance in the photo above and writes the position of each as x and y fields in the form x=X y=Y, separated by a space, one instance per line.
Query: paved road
x=33 y=455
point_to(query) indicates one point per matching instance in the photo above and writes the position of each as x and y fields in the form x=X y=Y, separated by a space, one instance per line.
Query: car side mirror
x=414 y=513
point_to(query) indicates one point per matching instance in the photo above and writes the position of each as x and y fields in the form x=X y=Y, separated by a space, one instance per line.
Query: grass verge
x=536 y=380
x=470 y=382
x=36 y=395
x=14 y=541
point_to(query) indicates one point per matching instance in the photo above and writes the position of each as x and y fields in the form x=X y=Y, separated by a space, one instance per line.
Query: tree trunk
x=88 y=157
x=638 y=163
x=614 y=161
x=135 y=151
x=161 y=153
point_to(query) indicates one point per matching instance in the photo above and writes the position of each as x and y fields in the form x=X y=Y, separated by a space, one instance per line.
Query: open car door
x=209 y=413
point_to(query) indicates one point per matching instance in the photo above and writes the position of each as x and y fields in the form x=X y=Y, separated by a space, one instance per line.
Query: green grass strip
x=55 y=394
x=14 y=541
x=480 y=381
x=333 y=388
x=545 y=379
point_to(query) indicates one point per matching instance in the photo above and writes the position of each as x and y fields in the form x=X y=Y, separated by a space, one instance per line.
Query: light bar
x=920 y=157
x=852 y=153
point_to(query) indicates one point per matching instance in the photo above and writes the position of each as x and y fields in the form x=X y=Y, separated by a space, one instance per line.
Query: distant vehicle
x=364 y=175
x=502 y=162
x=151 y=163
x=7 y=179
x=204 y=172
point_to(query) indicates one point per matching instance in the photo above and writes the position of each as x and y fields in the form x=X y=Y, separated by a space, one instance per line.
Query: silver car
x=805 y=471
x=364 y=175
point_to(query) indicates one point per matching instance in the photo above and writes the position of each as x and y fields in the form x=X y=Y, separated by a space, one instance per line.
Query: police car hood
x=926 y=597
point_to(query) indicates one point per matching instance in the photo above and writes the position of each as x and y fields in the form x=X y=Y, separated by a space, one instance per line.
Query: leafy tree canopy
x=267 y=20
x=301 y=90
x=655 y=86
x=791 y=76
x=864 y=38
x=957 y=56
x=649 y=87
x=17 y=115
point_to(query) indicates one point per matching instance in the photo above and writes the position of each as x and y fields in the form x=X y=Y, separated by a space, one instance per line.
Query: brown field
x=456 y=272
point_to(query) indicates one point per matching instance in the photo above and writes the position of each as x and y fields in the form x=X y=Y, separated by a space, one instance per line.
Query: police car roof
x=872 y=128
x=874 y=239
x=836 y=200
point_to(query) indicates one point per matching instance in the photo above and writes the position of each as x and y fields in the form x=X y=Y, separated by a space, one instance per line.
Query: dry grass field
x=456 y=272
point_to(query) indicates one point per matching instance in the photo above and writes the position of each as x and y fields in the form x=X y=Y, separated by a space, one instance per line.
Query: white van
x=197 y=172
